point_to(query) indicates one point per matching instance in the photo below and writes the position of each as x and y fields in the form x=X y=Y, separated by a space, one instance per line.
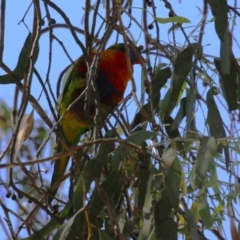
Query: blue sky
x=15 y=35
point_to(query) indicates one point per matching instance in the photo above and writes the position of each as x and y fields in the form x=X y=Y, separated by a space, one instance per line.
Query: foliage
x=165 y=163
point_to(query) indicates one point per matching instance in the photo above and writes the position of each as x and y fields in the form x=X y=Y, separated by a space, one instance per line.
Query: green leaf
x=183 y=63
x=165 y=226
x=213 y=176
x=64 y=229
x=168 y=158
x=166 y=229
x=80 y=191
x=147 y=227
x=137 y=138
x=192 y=223
x=177 y=19
x=91 y=172
x=5 y=116
x=162 y=208
x=112 y=188
x=198 y=48
x=159 y=79
x=23 y=61
x=204 y=211
x=220 y=12
x=229 y=84
x=103 y=152
x=225 y=54
x=174 y=27
x=105 y=235
x=173 y=134
x=163 y=104
x=215 y=123
x=172 y=183
x=190 y=104
x=128 y=228
x=139 y=117
x=143 y=175
x=180 y=114
x=202 y=162
x=182 y=67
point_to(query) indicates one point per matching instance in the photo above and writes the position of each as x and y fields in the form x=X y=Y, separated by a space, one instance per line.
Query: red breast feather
x=113 y=76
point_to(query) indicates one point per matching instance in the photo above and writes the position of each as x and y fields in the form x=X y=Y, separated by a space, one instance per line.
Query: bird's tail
x=60 y=166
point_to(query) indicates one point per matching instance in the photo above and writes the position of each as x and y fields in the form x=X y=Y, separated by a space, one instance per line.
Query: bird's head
x=134 y=52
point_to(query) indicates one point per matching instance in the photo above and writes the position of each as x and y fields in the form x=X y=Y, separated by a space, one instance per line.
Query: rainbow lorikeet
x=112 y=78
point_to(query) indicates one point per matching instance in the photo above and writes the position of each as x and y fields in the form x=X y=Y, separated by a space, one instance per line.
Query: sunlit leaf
x=194 y=210
x=25 y=129
x=177 y=19
x=168 y=157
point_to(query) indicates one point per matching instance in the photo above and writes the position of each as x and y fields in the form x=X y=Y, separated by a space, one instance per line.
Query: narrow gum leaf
x=22 y=62
x=203 y=161
x=180 y=114
x=172 y=181
x=204 y=211
x=215 y=124
x=25 y=130
x=225 y=54
x=220 y=12
x=177 y=19
x=182 y=67
x=190 y=104
x=159 y=79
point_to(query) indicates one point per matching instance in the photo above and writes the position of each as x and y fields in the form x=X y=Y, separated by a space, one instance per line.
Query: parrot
x=111 y=80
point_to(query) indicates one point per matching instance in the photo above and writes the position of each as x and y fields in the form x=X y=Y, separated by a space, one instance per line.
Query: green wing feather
x=71 y=124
